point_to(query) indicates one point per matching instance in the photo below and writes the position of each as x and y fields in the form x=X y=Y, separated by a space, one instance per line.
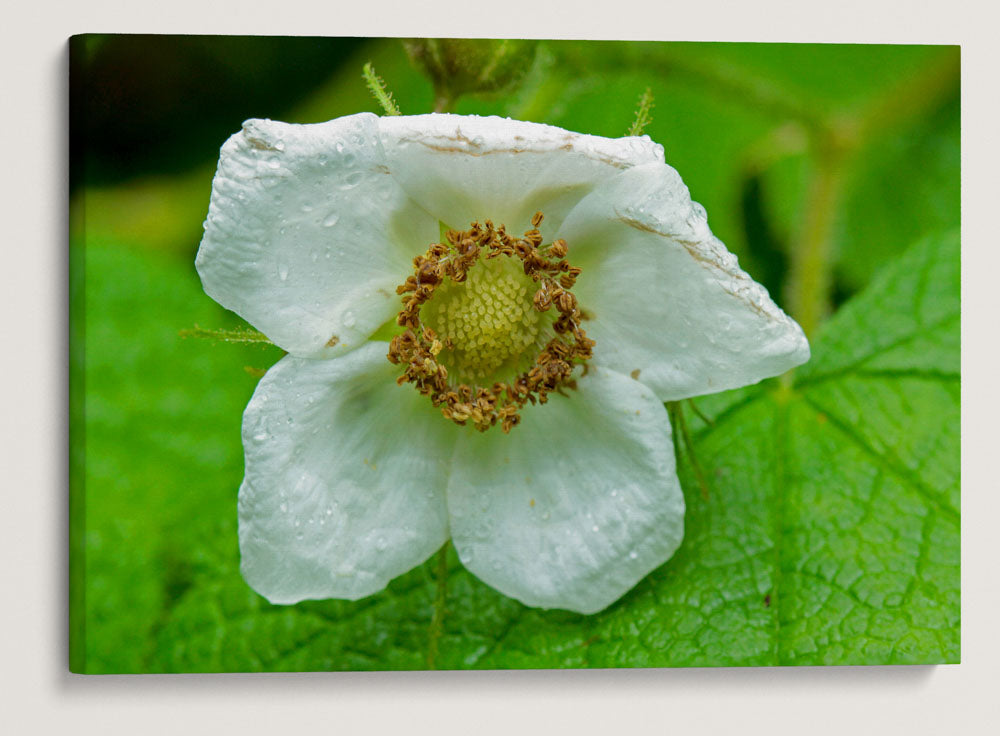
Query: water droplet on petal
x=352 y=180
x=282 y=271
x=633 y=555
x=349 y=319
x=331 y=219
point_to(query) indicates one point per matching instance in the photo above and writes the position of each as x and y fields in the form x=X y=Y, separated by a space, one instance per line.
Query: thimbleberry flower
x=483 y=319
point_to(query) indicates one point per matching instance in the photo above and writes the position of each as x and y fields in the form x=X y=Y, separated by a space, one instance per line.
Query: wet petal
x=669 y=303
x=345 y=478
x=576 y=504
x=463 y=168
x=307 y=235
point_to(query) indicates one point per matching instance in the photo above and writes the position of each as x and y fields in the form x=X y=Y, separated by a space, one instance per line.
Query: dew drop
x=284 y=508
x=331 y=219
x=633 y=555
x=595 y=528
x=282 y=271
x=352 y=180
x=349 y=319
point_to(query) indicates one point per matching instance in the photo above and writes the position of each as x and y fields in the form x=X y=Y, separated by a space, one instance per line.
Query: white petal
x=467 y=168
x=345 y=478
x=307 y=235
x=669 y=302
x=576 y=504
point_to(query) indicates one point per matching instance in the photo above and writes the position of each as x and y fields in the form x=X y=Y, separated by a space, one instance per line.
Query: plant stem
x=811 y=264
x=676 y=412
x=238 y=335
x=440 y=599
x=444 y=101
x=835 y=144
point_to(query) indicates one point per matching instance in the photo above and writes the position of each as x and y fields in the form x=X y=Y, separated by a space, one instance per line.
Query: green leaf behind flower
x=830 y=535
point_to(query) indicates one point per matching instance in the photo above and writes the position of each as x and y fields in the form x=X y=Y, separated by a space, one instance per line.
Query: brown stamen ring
x=421 y=350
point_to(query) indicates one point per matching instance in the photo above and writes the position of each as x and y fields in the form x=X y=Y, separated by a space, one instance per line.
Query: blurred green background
x=817 y=165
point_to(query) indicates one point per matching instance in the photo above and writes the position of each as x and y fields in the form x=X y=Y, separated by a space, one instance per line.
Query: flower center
x=479 y=338
x=489 y=319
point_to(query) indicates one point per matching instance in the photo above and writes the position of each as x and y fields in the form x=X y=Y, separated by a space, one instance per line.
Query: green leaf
x=157 y=463
x=830 y=536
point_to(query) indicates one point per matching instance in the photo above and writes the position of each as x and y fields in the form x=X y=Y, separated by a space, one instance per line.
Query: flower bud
x=459 y=66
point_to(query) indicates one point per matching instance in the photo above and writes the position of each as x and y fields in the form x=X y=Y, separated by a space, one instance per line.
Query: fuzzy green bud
x=460 y=66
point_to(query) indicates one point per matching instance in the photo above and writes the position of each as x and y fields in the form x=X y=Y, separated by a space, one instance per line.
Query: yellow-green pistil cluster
x=488 y=318
x=478 y=340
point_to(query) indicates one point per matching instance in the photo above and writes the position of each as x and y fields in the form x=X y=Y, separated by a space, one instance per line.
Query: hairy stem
x=835 y=144
x=245 y=335
x=811 y=266
x=440 y=599
x=643 y=114
x=444 y=101
x=675 y=410
x=377 y=87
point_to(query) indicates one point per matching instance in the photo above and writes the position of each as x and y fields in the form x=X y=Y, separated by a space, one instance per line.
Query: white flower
x=351 y=478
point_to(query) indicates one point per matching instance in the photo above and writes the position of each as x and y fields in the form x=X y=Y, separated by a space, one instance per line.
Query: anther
x=469 y=308
x=542 y=300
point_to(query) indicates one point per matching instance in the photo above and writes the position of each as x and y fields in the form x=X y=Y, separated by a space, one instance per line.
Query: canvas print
x=404 y=354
